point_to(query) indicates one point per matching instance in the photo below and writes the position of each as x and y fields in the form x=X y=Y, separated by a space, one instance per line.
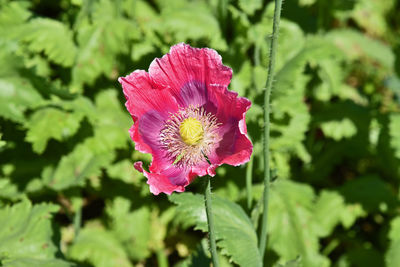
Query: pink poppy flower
x=185 y=117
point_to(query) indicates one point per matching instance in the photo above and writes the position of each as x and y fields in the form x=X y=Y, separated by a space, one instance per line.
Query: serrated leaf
x=339 y=130
x=8 y=190
x=234 y=230
x=131 y=228
x=12 y=16
x=371 y=15
x=74 y=168
x=26 y=232
x=290 y=230
x=61 y=121
x=250 y=7
x=359 y=46
x=94 y=153
x=194 y=21
x=50 y=123
x=287 y=100
x=16 y=96
x=124 y=171
x=99 y=247
x=100 y=40
x=51 y=37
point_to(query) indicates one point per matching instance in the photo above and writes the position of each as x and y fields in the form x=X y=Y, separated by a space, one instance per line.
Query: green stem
x=249 y=180
x=78 y=220
x=267 y=93
x=162 y=259
x=210 y=221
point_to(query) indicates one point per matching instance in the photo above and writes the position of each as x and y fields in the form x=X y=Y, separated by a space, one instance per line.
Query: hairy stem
x=210 y=221
x=249 y=182
x=267 y=93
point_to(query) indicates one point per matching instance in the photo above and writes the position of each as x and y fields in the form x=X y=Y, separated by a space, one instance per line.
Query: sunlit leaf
x=234 y=230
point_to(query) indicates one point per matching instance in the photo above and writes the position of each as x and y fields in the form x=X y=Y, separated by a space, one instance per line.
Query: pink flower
x=185 y=117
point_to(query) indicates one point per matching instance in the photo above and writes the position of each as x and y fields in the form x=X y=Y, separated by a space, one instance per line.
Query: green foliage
x=26 y=235
x=69 y=195
x=234 y=230
x=132 y=229
x=99 y=247
x=51 y=37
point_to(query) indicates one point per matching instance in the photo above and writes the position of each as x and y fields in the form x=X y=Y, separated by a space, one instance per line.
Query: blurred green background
x=69 y=195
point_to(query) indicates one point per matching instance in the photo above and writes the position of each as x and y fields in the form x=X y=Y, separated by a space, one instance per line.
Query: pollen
x=191 y=131
x=189 y=136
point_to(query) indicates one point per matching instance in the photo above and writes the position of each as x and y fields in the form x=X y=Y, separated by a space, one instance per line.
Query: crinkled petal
x=235 y=147
x=185 y=76
x=167 y=181
x=142 y=95
x=188 y=73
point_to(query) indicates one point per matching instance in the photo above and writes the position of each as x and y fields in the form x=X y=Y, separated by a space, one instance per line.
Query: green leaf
x=16 y=96
x=330 y=209
x=371 y=192
x=29 y=262
x=26 y=232
x=51 y=37
x=101 y=37
x=392 y=256
x=12 y=16
x=234 y=230
x=98 y=247
x=8 y=190
x=250 y=6
x=49 y=123
x=131 y=228
x=124 y=171
x=89 y=157
x=291 y=230
x=339 y=130
x=288 y=95
x=194 y=21
x=74 y=168
x=359 y=46
x=372 y=15
x=394 y=132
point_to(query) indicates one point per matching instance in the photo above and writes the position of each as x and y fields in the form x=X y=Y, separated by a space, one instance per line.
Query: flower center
x=191 y=131
x=189 y=136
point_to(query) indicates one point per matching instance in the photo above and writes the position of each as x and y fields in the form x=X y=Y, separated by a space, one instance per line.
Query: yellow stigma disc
x=191 y=131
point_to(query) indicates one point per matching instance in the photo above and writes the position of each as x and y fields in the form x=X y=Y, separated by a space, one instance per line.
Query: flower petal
x=188 y=72
x=141 y=95
x=184 y=77
x=168 y=181
x=235 y=148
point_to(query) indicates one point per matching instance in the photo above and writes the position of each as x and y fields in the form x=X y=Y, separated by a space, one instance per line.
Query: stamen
x=189 y=136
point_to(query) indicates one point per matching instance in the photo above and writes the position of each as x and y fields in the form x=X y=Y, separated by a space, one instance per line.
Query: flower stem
x=249 y=181
x=210 y=221
x=267 y=93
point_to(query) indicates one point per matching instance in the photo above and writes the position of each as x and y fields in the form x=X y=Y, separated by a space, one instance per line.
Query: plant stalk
x=267 y=94
x=210 y=221
x=249 y=182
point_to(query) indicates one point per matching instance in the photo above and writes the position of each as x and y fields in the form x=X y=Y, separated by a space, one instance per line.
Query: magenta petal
x=185 y=78
x=141 y=95
x=162 y=183
x=188 y=72
x=235 y=147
